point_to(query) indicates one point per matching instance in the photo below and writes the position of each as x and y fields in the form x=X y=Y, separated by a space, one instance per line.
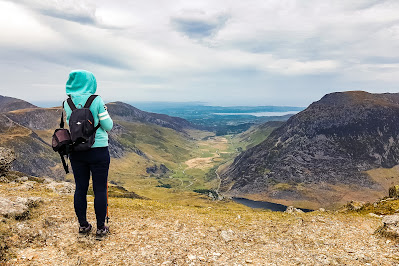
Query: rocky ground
x=160 y=233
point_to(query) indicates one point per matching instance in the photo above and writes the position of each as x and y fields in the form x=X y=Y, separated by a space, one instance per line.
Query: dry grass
x=200 y=163
x=191 y=230
x=386 y=177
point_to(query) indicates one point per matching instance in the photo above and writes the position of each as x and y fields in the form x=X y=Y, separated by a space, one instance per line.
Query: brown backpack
x=62 y=142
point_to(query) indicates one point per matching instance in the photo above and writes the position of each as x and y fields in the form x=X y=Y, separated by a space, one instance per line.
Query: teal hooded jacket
x=80 y=85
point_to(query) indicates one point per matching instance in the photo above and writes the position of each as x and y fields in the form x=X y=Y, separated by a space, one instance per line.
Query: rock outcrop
x=390 y=227
x=158 y=171
x=7 y=156
x=18 y=208
x=333 y=141
x=394 y=191
x=292 y=209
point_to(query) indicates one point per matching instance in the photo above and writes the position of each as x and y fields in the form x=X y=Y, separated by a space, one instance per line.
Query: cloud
x=100 y=59
x=71 y=16
x=82 y=11
x=197 y=24
x=79 y=11
x=225 y=51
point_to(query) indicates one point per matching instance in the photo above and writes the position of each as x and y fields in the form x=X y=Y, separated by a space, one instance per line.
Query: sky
x=225 y=52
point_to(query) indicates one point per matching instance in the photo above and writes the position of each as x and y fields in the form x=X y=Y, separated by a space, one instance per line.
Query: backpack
x=81 y=125
x=82 y=131
x=62 y=142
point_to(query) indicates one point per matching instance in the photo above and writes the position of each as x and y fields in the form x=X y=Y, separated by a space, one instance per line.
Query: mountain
x=36 y=118
x=147 y=135
x=321 y=155
x=35 y=156
x=11 y=104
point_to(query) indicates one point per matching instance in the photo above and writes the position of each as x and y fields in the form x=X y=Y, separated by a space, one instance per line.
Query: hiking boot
x=85 y=229
x=102 y=231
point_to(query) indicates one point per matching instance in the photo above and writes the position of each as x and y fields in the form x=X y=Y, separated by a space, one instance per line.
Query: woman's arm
x=103 y=116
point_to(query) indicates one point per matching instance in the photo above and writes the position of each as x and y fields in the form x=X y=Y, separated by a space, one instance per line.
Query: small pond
x=264 y=205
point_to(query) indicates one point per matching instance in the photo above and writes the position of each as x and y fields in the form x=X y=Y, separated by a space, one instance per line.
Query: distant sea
x=259 y=114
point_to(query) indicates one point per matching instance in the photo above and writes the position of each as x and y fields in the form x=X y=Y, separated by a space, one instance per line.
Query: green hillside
x=190 y=157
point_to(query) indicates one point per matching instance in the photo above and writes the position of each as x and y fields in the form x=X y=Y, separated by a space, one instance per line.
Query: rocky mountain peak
x=333 y=141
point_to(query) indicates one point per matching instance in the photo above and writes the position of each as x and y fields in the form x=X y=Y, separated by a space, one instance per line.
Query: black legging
x=96 y=161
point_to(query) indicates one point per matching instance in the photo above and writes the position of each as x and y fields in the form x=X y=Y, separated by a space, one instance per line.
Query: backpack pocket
x=61 y=139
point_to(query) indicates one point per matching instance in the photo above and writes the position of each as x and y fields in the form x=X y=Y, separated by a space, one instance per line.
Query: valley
x=223 y=133
x=164 y=157
x=155 y=155
x=170 y=189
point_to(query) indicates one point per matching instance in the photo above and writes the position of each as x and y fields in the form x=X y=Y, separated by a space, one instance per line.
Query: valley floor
x=194 y=232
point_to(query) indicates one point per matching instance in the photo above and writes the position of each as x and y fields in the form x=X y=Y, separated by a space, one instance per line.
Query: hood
x=81 y=82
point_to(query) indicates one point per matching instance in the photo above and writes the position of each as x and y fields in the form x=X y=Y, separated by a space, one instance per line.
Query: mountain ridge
x=333 y=141
x=37 y=124
x=10 y=104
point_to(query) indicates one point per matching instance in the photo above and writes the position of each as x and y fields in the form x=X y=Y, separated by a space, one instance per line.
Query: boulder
x=25 y=186
x=12 y=209
x=227 y=235
x=354 y=205
x=394 y=191
x=19 y=207
x=7 y=156
x=292 y=209
x=390 y=227
x=61 y=187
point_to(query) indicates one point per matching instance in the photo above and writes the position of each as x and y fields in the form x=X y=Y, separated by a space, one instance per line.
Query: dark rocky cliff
x=35 y=156
x=333 y=141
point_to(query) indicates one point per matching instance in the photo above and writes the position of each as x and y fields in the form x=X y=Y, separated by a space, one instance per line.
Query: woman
x=79 y=87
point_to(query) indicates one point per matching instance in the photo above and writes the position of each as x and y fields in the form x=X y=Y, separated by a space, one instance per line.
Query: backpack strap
x=97 y=127
x=87 y=105
x=89 y=101
x=71 y=104
x=64 y=163
x=62 y=115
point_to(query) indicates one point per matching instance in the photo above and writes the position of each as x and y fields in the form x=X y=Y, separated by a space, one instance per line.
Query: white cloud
x=20 y=29
x=82 y=11
x=201 y=49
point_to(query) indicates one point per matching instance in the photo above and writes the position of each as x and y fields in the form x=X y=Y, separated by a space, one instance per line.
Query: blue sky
x=266 y=52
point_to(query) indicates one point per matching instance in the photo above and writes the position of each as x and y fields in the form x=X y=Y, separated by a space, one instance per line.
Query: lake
x=264 y=205
x=260 y=114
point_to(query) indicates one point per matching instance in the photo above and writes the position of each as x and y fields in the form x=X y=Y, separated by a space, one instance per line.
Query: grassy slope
x=255 y=135
x=190 y=156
